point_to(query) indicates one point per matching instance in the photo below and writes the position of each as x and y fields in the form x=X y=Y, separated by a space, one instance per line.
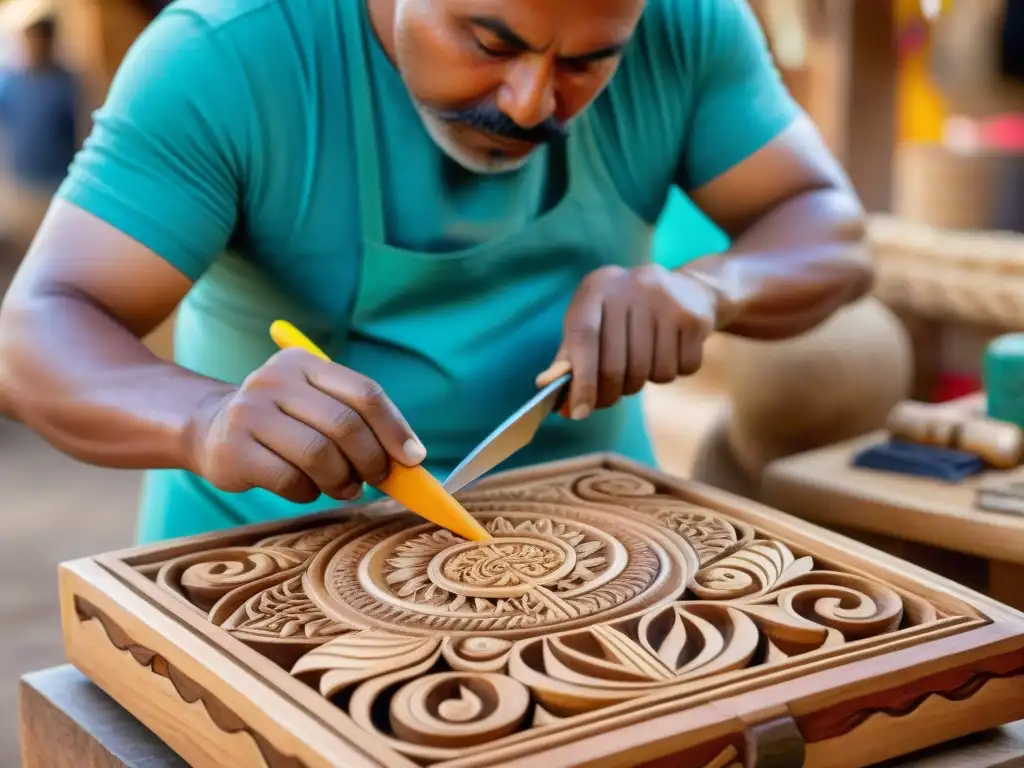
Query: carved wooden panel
x=617 y=617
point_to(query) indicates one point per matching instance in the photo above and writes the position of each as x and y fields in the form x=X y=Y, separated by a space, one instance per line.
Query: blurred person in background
x=38 y=127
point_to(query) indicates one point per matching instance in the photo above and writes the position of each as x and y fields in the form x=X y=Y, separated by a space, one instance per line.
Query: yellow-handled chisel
x=413 y=487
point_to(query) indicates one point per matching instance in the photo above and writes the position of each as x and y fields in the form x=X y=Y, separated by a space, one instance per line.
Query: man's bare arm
x=797 y=229
x=72 y=364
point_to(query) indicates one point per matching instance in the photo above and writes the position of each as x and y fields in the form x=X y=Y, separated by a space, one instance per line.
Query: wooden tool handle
x=997 y=442
x=925 y=424
x=287 y=336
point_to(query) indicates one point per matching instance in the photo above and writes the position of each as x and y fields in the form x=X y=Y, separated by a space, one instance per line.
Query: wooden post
x=848 y=87
x=871 y=102
x=95 y=35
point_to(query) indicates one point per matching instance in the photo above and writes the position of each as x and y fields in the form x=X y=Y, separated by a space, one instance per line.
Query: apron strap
x=584 y=148
x=371 y=204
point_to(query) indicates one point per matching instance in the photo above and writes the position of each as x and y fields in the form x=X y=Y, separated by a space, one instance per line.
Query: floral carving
x=282 y=612
x=597 y=588
x=437 y=568
x=547 y=566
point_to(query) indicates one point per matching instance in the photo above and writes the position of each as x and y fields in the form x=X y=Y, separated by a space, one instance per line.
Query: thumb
x=559 y=367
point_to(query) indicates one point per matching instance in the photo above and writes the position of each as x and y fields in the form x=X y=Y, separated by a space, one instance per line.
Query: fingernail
x=353 y=492
x=580 y=412
x=414 y=450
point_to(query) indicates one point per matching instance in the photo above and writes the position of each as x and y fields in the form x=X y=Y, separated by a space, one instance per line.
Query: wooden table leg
x=1006 y=583
x=926 y=341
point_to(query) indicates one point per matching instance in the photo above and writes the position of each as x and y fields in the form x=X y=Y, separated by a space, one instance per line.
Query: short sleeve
x=164 y=162
x=740 y=102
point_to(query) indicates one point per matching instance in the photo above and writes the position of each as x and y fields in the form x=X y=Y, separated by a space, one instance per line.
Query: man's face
x=495 y=79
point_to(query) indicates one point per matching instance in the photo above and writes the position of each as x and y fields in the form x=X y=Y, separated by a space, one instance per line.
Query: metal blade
x=516 y=432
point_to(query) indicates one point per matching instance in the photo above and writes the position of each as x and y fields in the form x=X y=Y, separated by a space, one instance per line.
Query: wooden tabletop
x=67 y=722
x=821 y=486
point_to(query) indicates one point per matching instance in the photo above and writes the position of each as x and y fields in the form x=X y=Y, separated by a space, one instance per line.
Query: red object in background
x=912 y=39
x=951 y=386
x=1005 y=132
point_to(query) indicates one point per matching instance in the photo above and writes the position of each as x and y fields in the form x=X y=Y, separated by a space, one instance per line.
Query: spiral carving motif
x=454 y=709
x=205 y=577
x=614 y=487
x=476 y=654
x=854 y=606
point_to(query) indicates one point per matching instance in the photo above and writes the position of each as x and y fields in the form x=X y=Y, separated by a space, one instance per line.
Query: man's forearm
x=90 y=388
x=792 y=269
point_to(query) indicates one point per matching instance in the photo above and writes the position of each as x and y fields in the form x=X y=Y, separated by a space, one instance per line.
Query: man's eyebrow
x=601 y=53
x=502 y=30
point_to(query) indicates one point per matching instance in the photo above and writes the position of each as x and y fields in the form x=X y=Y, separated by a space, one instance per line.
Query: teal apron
x=457 y=341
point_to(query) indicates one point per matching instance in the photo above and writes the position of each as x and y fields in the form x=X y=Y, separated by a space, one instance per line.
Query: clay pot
x=837 y=381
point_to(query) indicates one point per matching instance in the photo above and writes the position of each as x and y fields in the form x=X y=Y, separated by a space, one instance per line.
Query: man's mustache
x=490 y=119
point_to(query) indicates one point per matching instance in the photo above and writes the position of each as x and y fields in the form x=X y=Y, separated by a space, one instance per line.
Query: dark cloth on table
x=920 y=460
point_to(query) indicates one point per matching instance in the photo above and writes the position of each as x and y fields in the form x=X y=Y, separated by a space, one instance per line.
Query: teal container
x=1003 y=371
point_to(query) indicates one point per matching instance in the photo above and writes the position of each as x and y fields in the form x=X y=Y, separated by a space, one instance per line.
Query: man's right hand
x=300 y=426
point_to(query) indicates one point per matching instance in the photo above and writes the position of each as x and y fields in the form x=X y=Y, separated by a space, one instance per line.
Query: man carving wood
x=447 y=195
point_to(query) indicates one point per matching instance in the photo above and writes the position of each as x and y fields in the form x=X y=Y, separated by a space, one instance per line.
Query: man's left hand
x=626 y=327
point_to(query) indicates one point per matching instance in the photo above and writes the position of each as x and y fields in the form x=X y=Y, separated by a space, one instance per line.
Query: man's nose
x=528 y=94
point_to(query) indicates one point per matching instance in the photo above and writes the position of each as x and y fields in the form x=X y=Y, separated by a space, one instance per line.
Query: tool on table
x=413 y=487
x=517 y=431
x=944 y=442
x=1001 y=495
x=1000 y=444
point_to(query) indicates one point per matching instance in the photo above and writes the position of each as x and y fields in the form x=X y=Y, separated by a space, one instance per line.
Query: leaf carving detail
x=361 y=656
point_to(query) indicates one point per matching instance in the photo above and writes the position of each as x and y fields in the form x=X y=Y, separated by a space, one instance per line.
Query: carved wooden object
x=961 y=276
x=617 y=618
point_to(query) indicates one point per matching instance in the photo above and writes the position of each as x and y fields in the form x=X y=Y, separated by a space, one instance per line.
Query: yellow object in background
x=921 y=108
x=413 y=487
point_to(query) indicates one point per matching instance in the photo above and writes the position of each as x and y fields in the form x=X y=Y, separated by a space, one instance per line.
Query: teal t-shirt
x=227 y=146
